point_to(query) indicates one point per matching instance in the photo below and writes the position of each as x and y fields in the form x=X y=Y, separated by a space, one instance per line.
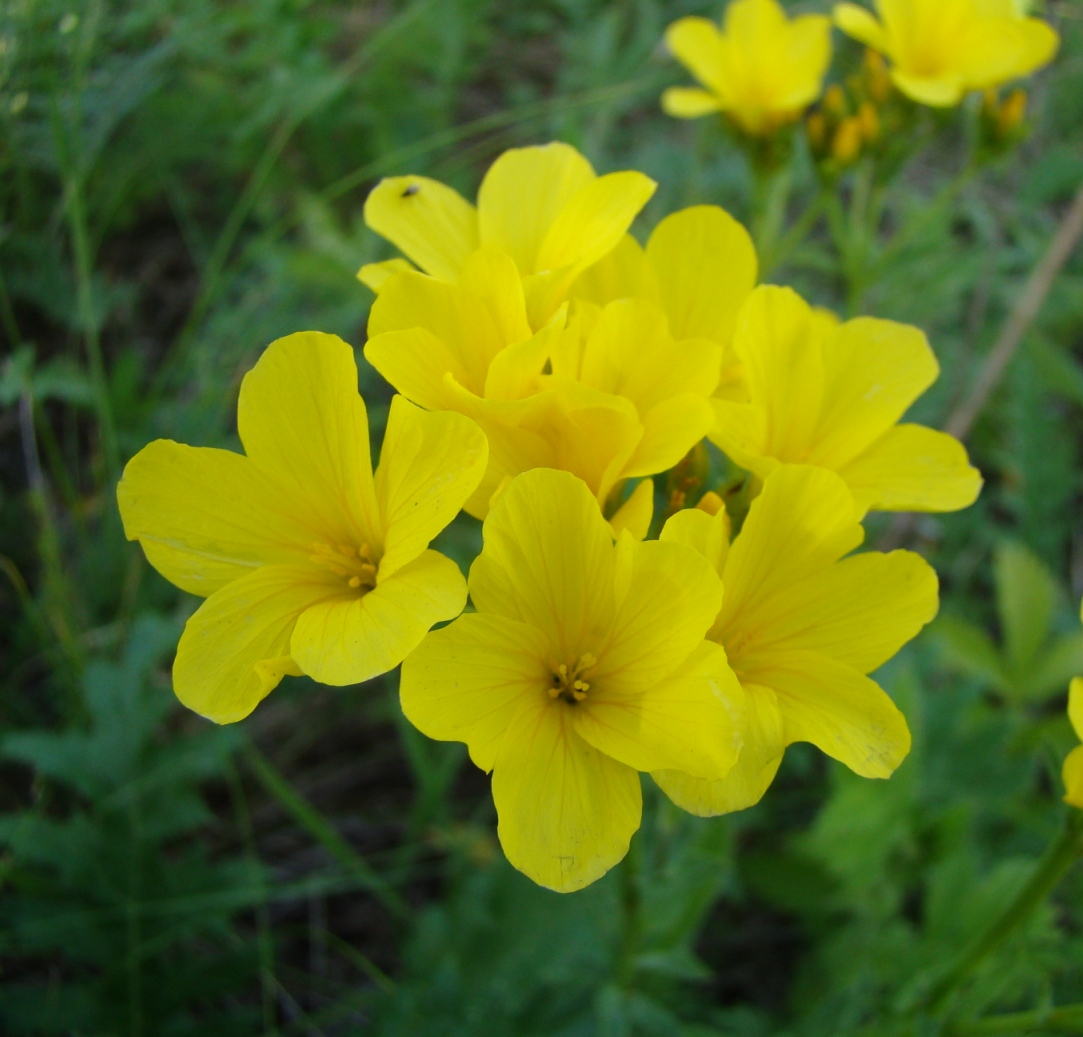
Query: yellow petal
x=376 y=275
x=492 y=276
x=689 y=102
x=692 y=720
x=750 y=777
x=230 y=655
x=803 y=521
x=417 y=364
x=547 y=561
x=430 y=222
x=205 y=517
x=429 y=465
x=873 y=370
x=636 y=512
x=1075 y=705
x=996 y=50
x=594 y=220
x=347 y=640
x=783 y=363
x=705 y=265
x=566 y=812
x=857 y=22
x=697 y=44
x=1072 y=774
x=740 y=429
x=670 y=430
x=465 y=682
x=860 y=610
x=523 y=193
x=668 y=600
x=913 y=468
x=944 y=91
x=514 y=371
x=708 y=534
x=462 y=320
x=841 y=711
x=303 y=423
x=620 y=274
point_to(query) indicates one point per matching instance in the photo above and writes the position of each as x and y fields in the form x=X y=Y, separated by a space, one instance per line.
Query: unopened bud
x=816 y=128
x=870 y=121
x=877 y=77
x=834 y=102
x=847 y=143
x=711 y=503
x=1012 y=112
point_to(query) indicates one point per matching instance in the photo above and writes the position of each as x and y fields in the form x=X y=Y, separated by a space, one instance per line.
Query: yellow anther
x=568 y=683
x=354 y=564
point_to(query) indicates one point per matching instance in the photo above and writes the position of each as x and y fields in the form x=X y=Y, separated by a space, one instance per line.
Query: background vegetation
x=181 y=182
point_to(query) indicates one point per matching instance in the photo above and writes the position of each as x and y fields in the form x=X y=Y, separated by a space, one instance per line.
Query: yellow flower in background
x=699 y=266
x=1073 y=764
x=831 y=395
x=543 y=206
x=584 y=664
x=940 y=49
x=623 y=400
x=802 y=625
x=761 y=68
x=308 y=562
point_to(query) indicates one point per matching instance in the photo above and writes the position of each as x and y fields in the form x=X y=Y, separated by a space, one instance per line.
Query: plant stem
x=795 y=236
x=1060 y=857
x=631 y=916
x=1067 y=1019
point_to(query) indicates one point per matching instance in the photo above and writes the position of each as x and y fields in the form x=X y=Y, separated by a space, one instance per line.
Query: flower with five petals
x=584 y=663
x=307 y=561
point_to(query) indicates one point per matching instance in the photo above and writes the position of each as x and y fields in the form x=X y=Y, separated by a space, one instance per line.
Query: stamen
x=568 y=683
x=353 y=564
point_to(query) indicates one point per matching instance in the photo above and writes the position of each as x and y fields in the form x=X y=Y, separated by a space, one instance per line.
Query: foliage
x=182 y=183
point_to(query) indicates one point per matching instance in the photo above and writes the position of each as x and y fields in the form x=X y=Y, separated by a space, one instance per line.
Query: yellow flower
x=802 y=625
x=584 y=663
x=544 y=206
x=940 y=49
x=762 y=69
x=1073 y=764
x=624 y=400
x=832 y=396
x=308 y=562
x=699 y=266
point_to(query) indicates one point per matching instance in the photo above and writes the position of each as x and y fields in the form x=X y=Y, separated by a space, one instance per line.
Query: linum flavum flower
x=802 y=625
x=699 y=266
x=584 y=664
x=1073 y=764
x=940 y=49
x=623 y=400
x=762 y=69
x=543 y=206
x=831 y=395
x=308 y=562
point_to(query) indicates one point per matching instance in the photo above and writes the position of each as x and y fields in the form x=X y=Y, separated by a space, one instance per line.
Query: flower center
x=355 y=564
x=568 y=683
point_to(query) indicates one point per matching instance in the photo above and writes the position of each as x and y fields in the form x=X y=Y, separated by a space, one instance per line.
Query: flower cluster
x=548 y=366
x=762 y=69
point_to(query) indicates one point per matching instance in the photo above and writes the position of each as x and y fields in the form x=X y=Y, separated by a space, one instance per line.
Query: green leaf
x=968 y=649
x=1026 y=600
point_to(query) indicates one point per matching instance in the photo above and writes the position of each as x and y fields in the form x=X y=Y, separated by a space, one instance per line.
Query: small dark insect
x=411 y=190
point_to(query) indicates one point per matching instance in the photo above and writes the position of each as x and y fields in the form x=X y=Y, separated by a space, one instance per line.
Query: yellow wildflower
x=831 y=395
x=308 y=562
x=802 y=625
x=699 y=266
x=940 y=49
x=584 y=663
x=762 y=69
x=544 y=206
x=1073 y=764
x=624 y=400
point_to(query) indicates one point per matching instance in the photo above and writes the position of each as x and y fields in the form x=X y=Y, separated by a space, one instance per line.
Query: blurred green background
x=182 y=182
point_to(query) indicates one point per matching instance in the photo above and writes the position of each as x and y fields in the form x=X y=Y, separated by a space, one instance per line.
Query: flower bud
x=847 y=143
x=870 y=121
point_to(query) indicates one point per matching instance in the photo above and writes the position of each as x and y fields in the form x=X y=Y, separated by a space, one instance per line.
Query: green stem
x=631 y=902
x=795 y=236
x=1058 y=860
x=323 y=832
x=1068 y=1019
x=771 y=194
